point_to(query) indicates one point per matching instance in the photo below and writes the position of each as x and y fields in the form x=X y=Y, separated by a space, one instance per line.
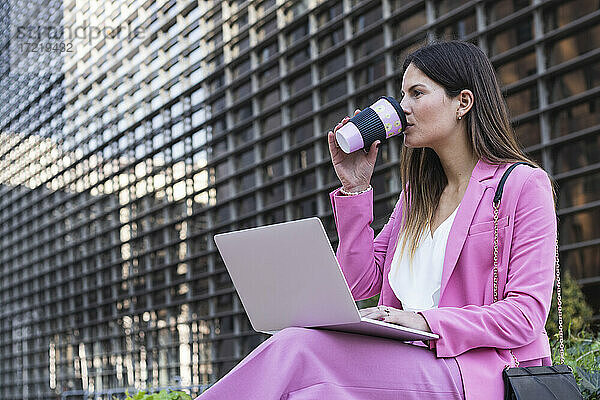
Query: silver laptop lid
x=286 y=275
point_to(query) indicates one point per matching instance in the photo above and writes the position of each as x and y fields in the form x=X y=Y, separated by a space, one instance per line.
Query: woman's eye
x=415 y=93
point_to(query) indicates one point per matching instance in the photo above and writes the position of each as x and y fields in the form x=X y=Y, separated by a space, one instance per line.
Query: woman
x=432 y=263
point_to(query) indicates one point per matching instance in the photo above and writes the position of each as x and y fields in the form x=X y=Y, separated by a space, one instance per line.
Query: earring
x=459 y=117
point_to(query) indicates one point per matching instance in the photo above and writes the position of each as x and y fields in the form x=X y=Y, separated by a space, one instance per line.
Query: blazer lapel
x=464 y=217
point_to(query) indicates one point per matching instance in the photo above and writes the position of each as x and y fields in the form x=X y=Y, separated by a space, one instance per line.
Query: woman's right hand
x=355 y=169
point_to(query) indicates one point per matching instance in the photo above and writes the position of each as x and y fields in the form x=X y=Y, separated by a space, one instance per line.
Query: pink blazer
x=471 y=328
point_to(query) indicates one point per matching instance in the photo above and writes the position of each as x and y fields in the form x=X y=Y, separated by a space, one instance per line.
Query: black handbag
x=543 y=382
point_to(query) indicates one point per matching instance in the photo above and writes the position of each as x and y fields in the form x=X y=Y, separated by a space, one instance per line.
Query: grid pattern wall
x=121 y=160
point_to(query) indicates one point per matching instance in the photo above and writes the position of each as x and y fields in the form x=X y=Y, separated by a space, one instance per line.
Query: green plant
x=576 y=312
x=162 y=395
x=582 y=354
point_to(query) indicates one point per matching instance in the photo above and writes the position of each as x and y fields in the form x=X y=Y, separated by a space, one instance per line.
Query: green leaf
x=179 y=395
x=586 y=379
x=582 y=355
x=140 y=395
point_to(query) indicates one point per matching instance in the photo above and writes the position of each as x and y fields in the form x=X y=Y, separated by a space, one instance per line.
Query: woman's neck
x=458 y=171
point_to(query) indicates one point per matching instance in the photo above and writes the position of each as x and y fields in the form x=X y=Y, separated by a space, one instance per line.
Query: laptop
x=287 y=274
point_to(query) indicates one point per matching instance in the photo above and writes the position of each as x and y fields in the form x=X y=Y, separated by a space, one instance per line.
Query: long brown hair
x=455 y=65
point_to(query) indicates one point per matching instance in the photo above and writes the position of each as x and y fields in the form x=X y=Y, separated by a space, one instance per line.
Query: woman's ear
x=465 y=99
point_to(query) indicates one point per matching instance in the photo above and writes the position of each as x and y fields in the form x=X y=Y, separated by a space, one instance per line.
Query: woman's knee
x=294 y=334
x=297 y=339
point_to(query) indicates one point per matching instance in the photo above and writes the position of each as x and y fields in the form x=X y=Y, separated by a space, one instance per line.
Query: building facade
x=147 y=127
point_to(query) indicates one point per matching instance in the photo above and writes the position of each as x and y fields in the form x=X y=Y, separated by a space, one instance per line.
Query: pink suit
x=472 y=329
x=467 y=361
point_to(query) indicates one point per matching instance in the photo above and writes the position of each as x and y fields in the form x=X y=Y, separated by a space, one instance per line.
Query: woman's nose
x=403 y=106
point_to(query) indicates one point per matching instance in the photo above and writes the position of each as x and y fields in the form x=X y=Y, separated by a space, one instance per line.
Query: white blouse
x=420 y=290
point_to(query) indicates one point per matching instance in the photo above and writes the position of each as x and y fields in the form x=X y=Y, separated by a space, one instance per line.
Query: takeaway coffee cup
x=380 y=121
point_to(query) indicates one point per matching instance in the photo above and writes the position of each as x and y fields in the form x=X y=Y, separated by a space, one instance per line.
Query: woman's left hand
x=408 y=319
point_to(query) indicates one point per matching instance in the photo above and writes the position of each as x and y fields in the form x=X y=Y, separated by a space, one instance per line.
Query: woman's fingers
x=396 y=316
x=345 y=119
x=340 y=124
x=331 y=139
x=378 y=315
x=373 y=312
x=373 y=150
x=369 y=309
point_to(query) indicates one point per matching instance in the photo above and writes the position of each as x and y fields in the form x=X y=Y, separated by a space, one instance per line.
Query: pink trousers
x=308 y=364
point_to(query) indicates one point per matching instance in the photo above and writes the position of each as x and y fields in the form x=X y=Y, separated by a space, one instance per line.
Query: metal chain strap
x=559 y=299
x=559 y=304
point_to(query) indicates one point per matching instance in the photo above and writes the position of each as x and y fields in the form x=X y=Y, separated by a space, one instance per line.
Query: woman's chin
x=408 y=142
x=411 y=140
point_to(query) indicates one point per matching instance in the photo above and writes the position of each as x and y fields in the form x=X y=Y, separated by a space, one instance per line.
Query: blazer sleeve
x=361 y=257
x=518 y=318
